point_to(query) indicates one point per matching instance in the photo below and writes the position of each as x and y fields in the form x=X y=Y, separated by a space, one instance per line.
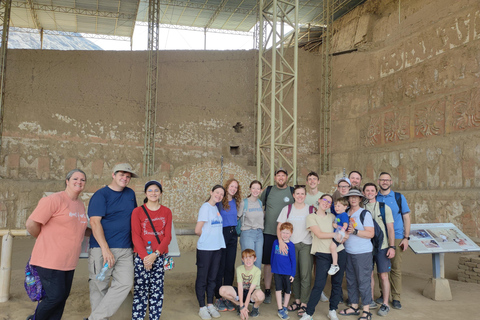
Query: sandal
x=294 y=307
x=302 y=311
x=368 y=317
x=354 y=313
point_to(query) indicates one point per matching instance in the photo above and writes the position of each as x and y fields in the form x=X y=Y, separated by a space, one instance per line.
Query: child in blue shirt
x=283 y=268
x=340 y=225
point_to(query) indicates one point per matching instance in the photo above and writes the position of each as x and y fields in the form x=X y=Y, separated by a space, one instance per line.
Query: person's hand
x=404 y=244
x=350 y=228
x=244 y=313
x=149 y=260
x=283 y=247
x=390 y=253
x=108 y=257
x=291 y=279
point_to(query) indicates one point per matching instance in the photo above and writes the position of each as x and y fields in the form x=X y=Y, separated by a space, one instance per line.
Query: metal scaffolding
x=277 y=90
x=326 y=87
x=5 y=9
x=152 y=76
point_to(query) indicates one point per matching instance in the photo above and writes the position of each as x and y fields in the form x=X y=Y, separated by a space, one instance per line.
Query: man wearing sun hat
x=110 y=211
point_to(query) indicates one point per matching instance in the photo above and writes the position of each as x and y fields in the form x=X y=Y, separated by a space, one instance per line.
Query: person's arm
x=243 y=307
x=321 y=235
x=99 y=235
x=282 y=246
x=33 y=227
x=198 y=227
x=406 y=226
x=293 y=261
x=345 y=226
x=391 y=240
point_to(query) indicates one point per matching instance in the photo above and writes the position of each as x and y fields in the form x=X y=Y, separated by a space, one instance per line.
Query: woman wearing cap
x=58 y=223
x=149 y=270
x=359 y=256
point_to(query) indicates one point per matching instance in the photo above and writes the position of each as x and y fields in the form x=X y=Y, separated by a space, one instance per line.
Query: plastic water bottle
x=149 y=247
x=101 y=275
x=30 y=279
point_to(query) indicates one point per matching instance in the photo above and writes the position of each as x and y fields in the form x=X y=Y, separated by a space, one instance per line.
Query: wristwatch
x=408 y=238
x=157 y=254
x=392 y=247
x=355 y=231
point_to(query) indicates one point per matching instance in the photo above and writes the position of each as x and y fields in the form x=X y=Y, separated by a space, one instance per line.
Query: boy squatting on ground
x=248 y=281
x=283 y=269
x=340 y=224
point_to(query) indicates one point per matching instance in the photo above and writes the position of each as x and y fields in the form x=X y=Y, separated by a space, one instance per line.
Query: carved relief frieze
x=396 y=127
x=430 y=120
x=372 y=134
x=466 y=111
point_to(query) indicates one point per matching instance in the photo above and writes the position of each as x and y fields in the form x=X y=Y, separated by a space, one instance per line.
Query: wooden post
x=6 y=267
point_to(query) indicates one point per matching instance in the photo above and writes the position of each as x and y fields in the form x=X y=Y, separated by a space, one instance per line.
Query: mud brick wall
x=469 y=269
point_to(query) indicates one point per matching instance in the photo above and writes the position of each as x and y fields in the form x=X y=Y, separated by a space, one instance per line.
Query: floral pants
x=148 y=289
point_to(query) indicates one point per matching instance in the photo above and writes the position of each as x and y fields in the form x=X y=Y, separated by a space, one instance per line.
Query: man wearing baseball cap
x=110 y=211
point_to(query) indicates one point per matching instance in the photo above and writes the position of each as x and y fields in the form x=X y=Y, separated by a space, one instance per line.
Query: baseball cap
x=344 y=179
x=281 y=170
x=125 y=167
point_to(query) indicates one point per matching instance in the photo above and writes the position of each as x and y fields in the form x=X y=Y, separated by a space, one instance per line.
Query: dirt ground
x=180 y=302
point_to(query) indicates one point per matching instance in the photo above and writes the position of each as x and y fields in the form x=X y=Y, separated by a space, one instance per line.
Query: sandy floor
x=180 y=301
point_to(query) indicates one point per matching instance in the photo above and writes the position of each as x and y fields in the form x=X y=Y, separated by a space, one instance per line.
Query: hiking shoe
x=282 y=314
x=379 y=300
x=213 y=311
x=383 y=311
x=373 y=305
x=268 y=298
x=306 y=317
x=204 y=314
x=220 y=304
x=323 y=297
x=229 y=305
x=332 y=315
x=254 y=313
x=333 y=269
x=396 y=304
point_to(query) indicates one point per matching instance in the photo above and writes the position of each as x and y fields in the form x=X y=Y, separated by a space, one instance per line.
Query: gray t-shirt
x=277 y=199
x=313 y=200
x=354 y=244
x=254 y=215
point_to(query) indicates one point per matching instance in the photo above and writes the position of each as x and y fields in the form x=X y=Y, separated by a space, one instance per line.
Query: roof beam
x=203 y=6
x=72 y=34
x=215 y=14
x=78 y=11
x=31 y=8
x=189 y=28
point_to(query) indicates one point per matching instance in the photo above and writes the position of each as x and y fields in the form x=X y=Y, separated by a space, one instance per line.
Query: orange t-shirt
x=63 y=223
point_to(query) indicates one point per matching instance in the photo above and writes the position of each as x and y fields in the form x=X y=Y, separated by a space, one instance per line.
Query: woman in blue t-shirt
x=228 y=208
x=209 y=228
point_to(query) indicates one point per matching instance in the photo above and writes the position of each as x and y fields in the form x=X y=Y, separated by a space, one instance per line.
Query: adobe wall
x=409 y=102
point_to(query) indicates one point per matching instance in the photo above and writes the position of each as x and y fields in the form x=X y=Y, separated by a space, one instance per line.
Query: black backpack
x=377 y=239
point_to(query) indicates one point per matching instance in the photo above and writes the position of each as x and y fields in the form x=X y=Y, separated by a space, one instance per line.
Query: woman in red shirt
x=149 y=270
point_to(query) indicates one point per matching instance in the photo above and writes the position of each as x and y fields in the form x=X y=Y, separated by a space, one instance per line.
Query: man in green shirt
x=274 y=198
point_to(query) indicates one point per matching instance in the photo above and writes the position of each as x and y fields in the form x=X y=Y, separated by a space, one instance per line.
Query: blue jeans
x=253 y=239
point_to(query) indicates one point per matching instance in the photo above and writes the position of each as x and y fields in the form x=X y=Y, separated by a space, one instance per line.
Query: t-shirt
x=283 y=263
x=277 y=199
x=374 y=208
x=229 y=216
x=355 y=244
x=312 y=200
x=341 y=218
x=324 y=223
x=142 y=231
x=248 y=277
x=254 y=216
x=390 y=200
x=212 y=231
x=297 y=219
x=115 y=208
x=60 y=239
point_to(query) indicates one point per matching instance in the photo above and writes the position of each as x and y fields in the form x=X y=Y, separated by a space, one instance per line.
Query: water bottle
x=30 y=279
x=149 y=247
x=101 y=275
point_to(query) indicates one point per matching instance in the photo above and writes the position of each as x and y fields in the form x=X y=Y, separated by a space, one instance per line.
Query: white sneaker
x=323 y=297
x=332 y=315
x=213 y=311
x=204 y=314
x=333 y=269
x=306 y=317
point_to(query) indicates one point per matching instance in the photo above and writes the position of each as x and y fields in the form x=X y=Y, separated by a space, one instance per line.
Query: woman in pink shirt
x=59 y=223
x=149 y=270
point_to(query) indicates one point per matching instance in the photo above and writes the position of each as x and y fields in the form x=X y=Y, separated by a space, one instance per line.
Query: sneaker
x=396 y=304
x=204 y=314
x=220 y=304
x=213 y=311
x=323 y=297
x=229 y=305
x=379 y=300
x=306 y=317
x=282 y=314
x=373 y=305
x=333 y=269
x=332 y=315
x=285 y=309
x=254 y=313
x=383 y=311
x=268 y=298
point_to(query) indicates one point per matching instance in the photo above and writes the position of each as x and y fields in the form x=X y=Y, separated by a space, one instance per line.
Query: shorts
x=282 y=283
x=268 y=240
x=382 y=261
x=245 y=293
x=336 y=242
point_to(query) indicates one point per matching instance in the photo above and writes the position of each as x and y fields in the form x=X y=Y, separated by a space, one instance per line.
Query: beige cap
x=125 y=167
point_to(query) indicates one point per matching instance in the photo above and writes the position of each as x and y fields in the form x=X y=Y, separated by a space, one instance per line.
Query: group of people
x=129 y=243
x=296 y=232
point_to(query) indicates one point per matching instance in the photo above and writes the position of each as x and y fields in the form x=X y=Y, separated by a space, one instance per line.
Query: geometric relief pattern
x=396 y=127
x=372 y=135
x=466 y=111
x=429 y=120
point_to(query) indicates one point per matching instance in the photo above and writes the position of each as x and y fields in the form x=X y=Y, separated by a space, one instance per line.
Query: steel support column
x=277 y=90
x=5 y=9
x=326 y=87
x=152 y=76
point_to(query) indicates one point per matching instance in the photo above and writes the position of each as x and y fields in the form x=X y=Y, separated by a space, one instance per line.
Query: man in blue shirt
x=401 y=224
x=110 y=211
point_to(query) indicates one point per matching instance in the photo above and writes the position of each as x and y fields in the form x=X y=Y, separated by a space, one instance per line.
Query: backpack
x=377 y=239
x=267 y=192
x=241 y=219
x=35 y=292
x=311 y=209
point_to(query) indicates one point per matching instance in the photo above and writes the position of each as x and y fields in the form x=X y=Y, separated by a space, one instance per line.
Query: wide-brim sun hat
x=354 y=192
